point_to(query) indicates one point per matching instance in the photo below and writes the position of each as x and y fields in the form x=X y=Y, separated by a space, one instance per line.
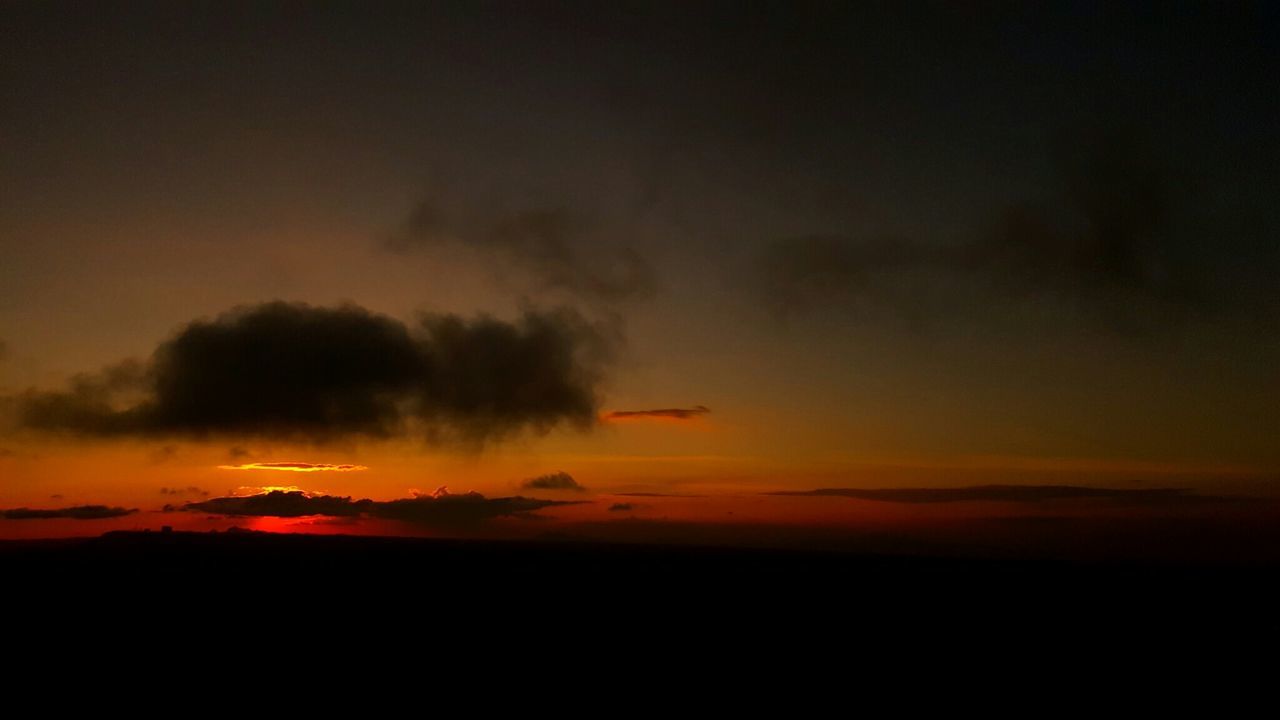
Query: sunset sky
x=642 y=263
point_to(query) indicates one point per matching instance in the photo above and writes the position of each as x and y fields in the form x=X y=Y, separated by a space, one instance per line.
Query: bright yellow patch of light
x=295 y=467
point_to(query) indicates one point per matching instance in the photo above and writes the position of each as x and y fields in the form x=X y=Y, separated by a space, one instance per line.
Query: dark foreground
x=238 y=585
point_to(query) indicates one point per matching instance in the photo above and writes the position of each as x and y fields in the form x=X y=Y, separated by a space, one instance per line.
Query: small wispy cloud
x=188 y=490
x=691 y=413
x=295 y=467
x=553 y=481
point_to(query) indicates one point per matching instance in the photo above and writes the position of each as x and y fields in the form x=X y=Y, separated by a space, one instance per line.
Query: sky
x=702 y=251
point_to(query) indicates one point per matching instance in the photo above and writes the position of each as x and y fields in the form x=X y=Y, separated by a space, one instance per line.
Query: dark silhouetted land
x=628 y=592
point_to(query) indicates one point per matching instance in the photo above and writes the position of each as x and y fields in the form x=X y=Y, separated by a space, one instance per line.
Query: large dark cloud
x=293 y=371
x=78 y=512
x=439 y=509
x=553 y=247
x=1123 y=239
x=1012 y=493
x=553 y=481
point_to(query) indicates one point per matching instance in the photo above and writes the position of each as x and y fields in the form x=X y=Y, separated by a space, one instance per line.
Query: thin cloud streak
x=78 y=512
x=440 y=509
x=296 y=467
x=1013 y=493
x=692 y=413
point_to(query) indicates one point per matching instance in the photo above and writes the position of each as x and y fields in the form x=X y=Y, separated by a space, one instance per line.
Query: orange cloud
x=295 y=467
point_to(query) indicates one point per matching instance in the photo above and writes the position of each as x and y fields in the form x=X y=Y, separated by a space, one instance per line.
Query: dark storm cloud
x=554 y=247
x=553 y=481
x=293 y=371
x=669 y=413
x=1123 y=241
x=79 y=512
x=1013 y=493
x=442 y=509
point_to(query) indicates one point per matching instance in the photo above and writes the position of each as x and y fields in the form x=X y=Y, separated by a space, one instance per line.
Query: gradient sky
x=864 y=245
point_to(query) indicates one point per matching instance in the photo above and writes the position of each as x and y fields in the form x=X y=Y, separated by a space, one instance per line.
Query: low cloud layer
x=691 y=413
x=1010 y=493
x=553 y=247
x=297 y=372
x=78 y=512
x=438 y=509
x=553 y=481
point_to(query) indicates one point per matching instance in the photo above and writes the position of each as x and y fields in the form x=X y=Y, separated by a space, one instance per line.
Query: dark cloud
x=164 y=454
x=282 y=503
x=188 y=490
x=552 y=246
x=88 y=406
x=237 y=452
x=297 y=372
x=1123 y=241
x=1012 y=493
x=621 y=507
x=439 y=509
x=669 y=413
x=553 y=481
x=79 y=512
x=458 y=509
